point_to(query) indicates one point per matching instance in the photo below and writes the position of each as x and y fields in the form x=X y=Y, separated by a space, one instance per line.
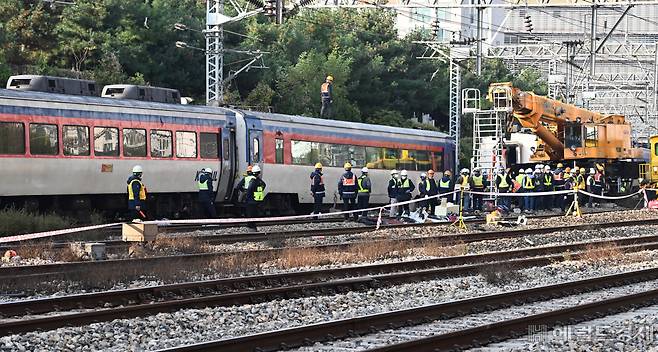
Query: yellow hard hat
x=347 y=166
x=560 y=165
x=318 y=165
x=582 y=170
x=330 y=78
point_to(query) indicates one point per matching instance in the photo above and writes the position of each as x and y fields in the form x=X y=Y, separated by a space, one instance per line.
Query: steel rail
x=338 y=329
x=46 y=270
x=250 y=289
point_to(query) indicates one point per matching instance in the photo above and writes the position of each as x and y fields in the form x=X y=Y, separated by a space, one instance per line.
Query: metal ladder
x=488 y=133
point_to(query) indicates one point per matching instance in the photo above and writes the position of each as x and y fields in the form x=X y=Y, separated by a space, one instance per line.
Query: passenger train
x=72 y=153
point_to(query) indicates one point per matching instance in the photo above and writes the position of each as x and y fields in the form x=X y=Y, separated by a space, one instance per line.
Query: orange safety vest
x=349 y=181
x=324 y=88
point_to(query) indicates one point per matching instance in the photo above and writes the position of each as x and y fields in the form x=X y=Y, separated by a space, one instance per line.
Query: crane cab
x=649 y=171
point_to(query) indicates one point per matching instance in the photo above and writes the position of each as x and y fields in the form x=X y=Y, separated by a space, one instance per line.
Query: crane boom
x=568 y=132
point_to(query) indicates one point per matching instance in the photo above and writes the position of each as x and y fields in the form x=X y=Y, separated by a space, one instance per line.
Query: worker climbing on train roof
x=529 y=187
x=206 y=192
x=393 y=189
x=255 y=195
x=347 y=189
x=136 y=194
x=476 y=184
x=327 y=96
x=548 y=186
x=431 y=190
x=463 y=184
x=317 y=188
x=404 y=193
x=363 y=193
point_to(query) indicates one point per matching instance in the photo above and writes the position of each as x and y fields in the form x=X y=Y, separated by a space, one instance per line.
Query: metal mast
x=214 y=53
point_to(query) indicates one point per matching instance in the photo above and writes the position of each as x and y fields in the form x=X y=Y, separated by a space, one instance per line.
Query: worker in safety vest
x=431 y=190
x=240 y=191
x=558 y=185
x=393 y=189
x=136 y=194
x=255 y=194
x=327 y=96
x=581 y=184
x=547 y=181
x=347 y=189
x=363 y=192
x=518 y=188
x=569 y=184
x=317 y=188
x=599 y=180
x=477 y=185
x=590 y=186
x=528 y=187
x=404 y=193
x=445 y=183
x=463 y=184
x=504 y=184
x=206 y=193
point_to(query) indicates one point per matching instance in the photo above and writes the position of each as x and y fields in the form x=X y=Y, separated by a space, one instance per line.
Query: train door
x=225 y=185
x=255 y=146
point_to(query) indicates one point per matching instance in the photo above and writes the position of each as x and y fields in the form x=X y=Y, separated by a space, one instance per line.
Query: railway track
x=402 y=322
x=61 y=270
x=108 y=305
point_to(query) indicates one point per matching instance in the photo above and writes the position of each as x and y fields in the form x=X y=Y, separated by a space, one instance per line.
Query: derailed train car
x=73 y=153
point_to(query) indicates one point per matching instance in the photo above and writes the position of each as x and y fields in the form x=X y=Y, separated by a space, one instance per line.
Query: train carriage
x=73 y=153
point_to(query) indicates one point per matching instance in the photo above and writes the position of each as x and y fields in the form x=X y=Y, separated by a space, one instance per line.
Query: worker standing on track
x=590 y=186
x=317 y=188
x=422 y=191
x=547 y=179
x=363 y=193
x=598 y=181
x=477 y=185
x=137 y=194
x=432 y=189
x=463 y=184
x=529 y=187
x=558 y=185
x=518 y=188
x=393 y=189
x=445 y=183
x=569 y=184
x=327 y=96
x=503 y=184
x=347 y=190
x=240 y=191
x=404 y=194
x=255 y=194
x=206 y=193
x=580 y=184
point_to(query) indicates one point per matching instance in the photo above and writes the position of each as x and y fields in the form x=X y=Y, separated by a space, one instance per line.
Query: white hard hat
x=394 y=172
x=547 y=168
x=423 y=175
x=137 y=169
x=403 y=173
x=528 y=171
x=207 y=170
x=539 y=166
x=464 y=171
x=364 y=170
x=537 y=171
x=255 y=169
x=592 y=171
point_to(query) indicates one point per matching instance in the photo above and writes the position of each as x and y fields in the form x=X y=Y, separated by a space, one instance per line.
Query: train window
x=161 y=144
x=407 y=160
x=423 y=162
x=437 y=161
x=374 y=158
x=209 y=144
x=76 y=140
x=305 y=153
x=52 y=83
x=591 y=136
x=255 y=156
x=185 y=144
x=278 y=147
x=12 y=138
x=134 y=142
x=227 y=149
x=44 y=139
x=339 y=154
x=106 y=141
x=20 y=82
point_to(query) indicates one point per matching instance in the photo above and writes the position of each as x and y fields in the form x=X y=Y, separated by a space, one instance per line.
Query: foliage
x=18 y=221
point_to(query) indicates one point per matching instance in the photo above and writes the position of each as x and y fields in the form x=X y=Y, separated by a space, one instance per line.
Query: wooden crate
x=136 y=232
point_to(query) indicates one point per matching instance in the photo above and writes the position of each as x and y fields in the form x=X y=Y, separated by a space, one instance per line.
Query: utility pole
x=478 y=59
x=214 y=53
